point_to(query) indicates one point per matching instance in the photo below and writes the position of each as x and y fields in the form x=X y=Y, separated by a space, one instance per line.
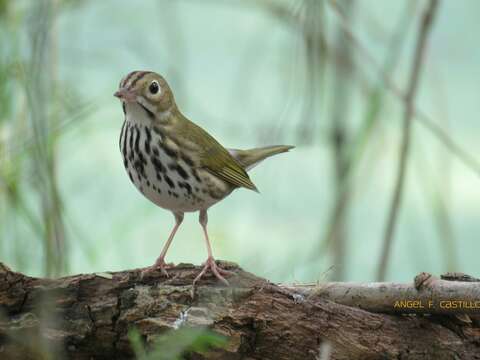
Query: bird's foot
x=160 y=265
x=216 y=270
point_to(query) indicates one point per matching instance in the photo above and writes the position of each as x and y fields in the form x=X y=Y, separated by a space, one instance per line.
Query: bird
x=175 y=163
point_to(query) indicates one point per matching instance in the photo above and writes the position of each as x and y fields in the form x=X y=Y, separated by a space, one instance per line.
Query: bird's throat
x=150 y=114
x=139 y=114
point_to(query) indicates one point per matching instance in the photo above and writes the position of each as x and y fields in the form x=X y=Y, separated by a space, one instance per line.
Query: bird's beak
x=126 y=95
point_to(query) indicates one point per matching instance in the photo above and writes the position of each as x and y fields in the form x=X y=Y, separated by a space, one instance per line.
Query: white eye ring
x=154 y=87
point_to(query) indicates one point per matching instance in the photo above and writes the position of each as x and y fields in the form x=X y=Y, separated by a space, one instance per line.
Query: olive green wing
x=213 y=157
x=220 y=163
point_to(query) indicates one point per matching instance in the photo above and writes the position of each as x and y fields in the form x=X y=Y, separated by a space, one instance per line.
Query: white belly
x=166 y=181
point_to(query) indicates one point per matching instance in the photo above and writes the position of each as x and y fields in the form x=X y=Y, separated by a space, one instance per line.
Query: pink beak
x=125 y=95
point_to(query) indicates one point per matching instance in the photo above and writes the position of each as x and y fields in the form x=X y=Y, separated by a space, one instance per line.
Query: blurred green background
x=302 y=72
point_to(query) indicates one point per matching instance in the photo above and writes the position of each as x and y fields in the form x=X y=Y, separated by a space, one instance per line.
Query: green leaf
x=174 y=344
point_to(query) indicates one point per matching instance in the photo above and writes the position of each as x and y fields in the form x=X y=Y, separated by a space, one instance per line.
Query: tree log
x=88 y=316
x=459 y=295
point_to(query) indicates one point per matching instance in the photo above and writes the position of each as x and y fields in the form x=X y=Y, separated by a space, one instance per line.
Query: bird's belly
x=169 y=191
x=171 y=200
x=165 y=179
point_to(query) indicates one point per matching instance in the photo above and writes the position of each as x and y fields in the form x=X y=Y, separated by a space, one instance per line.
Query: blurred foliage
x=3 y=8
x=55 y=54
x=368 y=130
x=175 y=344
x=35 y=107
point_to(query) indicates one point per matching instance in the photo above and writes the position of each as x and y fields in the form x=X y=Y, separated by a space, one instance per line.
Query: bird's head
x=148 y=90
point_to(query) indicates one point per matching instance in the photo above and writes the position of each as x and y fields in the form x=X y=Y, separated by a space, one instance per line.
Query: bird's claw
x=159 y=265
x=216 y=270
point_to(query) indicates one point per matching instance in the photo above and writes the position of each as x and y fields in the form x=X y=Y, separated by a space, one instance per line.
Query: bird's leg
x=210 y=263
x=160 y=262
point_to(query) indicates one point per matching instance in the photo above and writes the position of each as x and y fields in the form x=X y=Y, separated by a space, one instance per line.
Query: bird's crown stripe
x=127 y=78
x=141 y=74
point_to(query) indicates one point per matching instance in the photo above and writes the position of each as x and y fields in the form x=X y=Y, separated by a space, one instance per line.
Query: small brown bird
x=175 y=163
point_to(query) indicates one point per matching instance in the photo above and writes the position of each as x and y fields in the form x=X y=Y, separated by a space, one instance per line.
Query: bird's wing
x=214 y=157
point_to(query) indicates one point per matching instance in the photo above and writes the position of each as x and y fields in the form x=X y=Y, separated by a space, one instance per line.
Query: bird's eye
x=154 y=87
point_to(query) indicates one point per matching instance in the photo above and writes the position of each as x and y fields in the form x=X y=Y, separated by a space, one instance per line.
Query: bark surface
x=88 y=316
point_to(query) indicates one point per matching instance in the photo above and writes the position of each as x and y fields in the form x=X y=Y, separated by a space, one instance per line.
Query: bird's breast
x=164 y=173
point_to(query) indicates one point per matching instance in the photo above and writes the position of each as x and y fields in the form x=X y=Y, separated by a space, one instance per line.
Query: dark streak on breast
x=195 y=175
x=130 y=142
x=169 y=151
x=122 y=134
x=169 y=181
x=186 y=186
x=137 y=139
x=158 y=164
x=124 y=150
x=179 y=169
x=148 y=140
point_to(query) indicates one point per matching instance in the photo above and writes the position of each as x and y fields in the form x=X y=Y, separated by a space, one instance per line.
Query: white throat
x=136 y=114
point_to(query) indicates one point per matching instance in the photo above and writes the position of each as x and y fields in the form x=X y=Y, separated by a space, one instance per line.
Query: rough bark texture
x=88 y=317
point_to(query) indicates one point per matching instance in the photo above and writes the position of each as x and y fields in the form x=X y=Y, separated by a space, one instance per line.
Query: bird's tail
x=250 y=158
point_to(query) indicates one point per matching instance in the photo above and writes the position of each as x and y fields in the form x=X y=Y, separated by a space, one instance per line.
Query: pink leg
x=210 y=263
x=160 y=262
